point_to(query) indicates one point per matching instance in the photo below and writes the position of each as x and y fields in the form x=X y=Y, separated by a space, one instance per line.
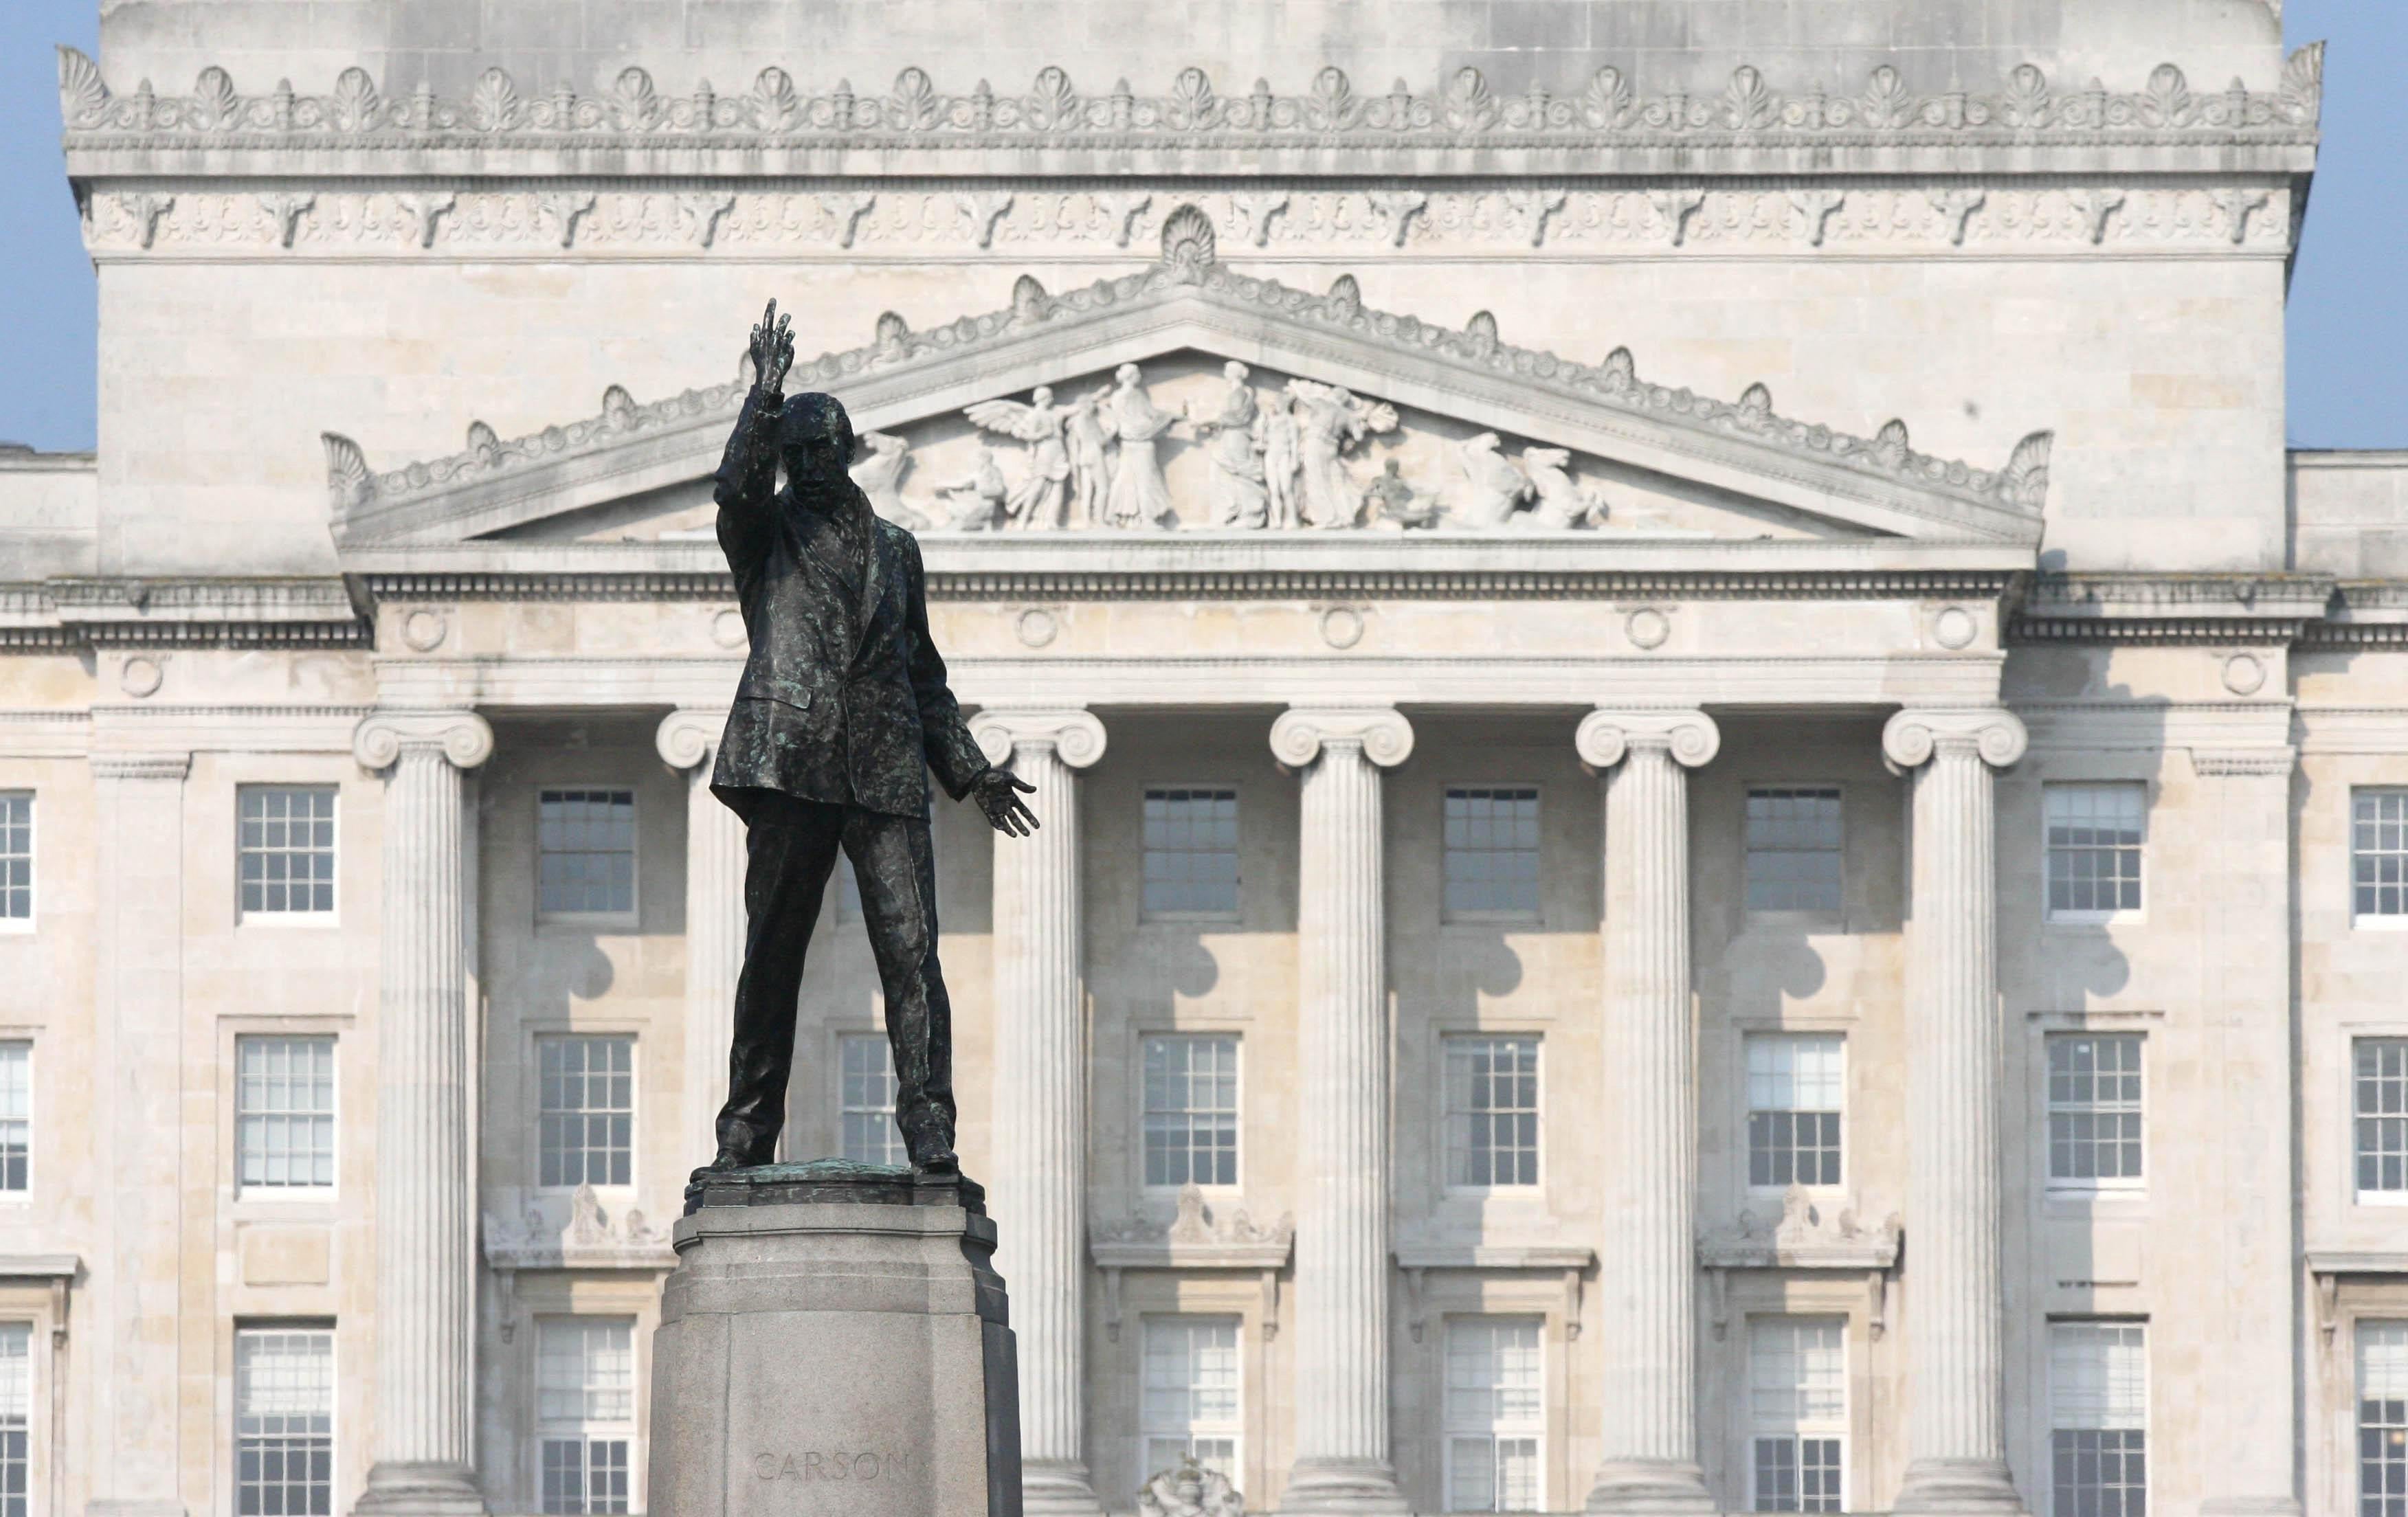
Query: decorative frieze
x=469 y=220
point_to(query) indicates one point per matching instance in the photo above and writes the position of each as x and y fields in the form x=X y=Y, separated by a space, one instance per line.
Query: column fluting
x=1040 y=1182
x=426 y=1213
x=715 y=924
x=1955 y=1367
x=1647 y=1259
x=1342 y=1249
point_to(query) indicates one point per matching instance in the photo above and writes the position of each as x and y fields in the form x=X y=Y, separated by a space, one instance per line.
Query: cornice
x=179 y=611
x=1607 y=124
x=2188 y=608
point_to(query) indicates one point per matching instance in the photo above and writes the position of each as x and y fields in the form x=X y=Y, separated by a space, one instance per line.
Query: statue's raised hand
x=773 y=350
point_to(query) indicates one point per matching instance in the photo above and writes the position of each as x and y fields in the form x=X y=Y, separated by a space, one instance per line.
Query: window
x=585 y=1412
x=2094 y=850
x=2094 y=1109
x=2383 y=1418
x=2098 y=1418
x=1191 y=1111
x=587 y=1109
x=1495 y=1414
x=2379 y=1071
x=16 y=1418
x=1794 y=859
x=284 y=1114
x=15 y=1118
x=2378 y=854
x=1797 y=1084
x=16 y=858
x=585 y=852
x=866 y=1104
x=284 y=1421
x=1492 y=853
x=1492 y=1111
x=1191 y=853
x=1191 y=1393
x=287 y=850
x=1798 y=1401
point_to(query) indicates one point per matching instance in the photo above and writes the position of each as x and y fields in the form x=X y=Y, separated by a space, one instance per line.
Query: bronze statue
x=842 y=713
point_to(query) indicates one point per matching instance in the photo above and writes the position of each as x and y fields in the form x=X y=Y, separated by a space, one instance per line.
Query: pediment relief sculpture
x=548 y=1233
x=1197 y=1225
x=1369 y=420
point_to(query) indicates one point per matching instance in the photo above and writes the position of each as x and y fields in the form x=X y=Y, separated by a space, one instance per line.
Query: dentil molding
x=1911 y=737
x=342 y=219
x=1606 y=737
x=466 y=738
x=1301 y=733
x=1075 y=736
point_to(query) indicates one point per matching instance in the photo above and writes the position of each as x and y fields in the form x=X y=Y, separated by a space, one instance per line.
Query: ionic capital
x=1608 y=734
x=686 y=738
x=464 y=737
x=1912 y=736
x=1075 y=736
x=1299 y=736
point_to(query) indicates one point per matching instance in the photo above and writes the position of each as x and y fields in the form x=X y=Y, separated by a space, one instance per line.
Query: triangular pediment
x=1434 y=429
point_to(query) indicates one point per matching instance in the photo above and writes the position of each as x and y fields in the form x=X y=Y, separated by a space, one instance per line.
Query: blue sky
x=2349 y=295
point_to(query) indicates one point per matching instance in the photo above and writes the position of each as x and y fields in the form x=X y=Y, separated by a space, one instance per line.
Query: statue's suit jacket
x=843 y=697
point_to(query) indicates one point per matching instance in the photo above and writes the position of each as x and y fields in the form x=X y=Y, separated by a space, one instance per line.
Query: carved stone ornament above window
x=1528 y=441
x=1606 y=112
x=583 y=1237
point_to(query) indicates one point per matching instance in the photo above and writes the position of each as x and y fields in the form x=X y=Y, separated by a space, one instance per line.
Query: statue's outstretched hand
x=773 y=350
x=997 y=793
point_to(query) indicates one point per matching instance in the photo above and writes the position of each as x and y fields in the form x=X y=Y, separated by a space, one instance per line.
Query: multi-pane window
x=1190 y=1393
x=2383 y=1418
x=1191 y=852
x=1492 y=1111
x=585 y=852
x=585 y=1412
x=1492 y=852
x=1191 y=1111
x=286 y=850
x=284 y=1421
x=1797 y=1086
x=2094 y=1109
x=586 y=1111
x=2093 y=849
x=15 y=1118
x=1797 y=1410
x=2379 y=1085
x=2378 y=853
x=866 y=1100
x=1495 y=1414
x=1794 y=857
x=16 y=858
x=2098 y=1418
x=284 y=1114
x=16 y=1418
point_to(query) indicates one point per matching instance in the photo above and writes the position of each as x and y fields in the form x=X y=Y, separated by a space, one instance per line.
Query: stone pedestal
x=835 y=1340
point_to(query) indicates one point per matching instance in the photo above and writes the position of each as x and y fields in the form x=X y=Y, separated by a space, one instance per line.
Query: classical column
x=1647 y=1267
x=1341 y=1247
x=715 y=924
x=425 y=1212
x=1041 y=1095
x=137 y=1324
x=1956 y=1371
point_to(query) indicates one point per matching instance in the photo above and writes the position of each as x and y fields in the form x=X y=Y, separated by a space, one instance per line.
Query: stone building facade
x=1616 y=927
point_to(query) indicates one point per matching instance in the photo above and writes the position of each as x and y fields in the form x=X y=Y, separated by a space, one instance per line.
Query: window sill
x=16 y=926
x=288 y=921
x=616 y=921
x=1189 y=919
x=2095 y=919
x=1820 y=1193
x=2381 y=1198
x=2380 y=923
x=1829 y=922
x=1493 y=919
x=269 y=1204
x=2085 y=1197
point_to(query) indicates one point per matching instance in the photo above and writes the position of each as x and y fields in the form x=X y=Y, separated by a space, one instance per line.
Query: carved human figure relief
x=1140 y=496
x=880 y=475
x=1233 y=444
x=1494 y=486
x=1280 y=460
x=1088 y=441
x=1562 y=504
x=1396 y=505
x=1329 y=421
x=1040 y=498
x=976 y=503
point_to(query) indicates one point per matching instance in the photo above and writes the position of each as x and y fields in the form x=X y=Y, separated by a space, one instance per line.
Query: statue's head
x=1126 y=376
x=1234 y=372
x=1041 y=396
x=814 y=439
